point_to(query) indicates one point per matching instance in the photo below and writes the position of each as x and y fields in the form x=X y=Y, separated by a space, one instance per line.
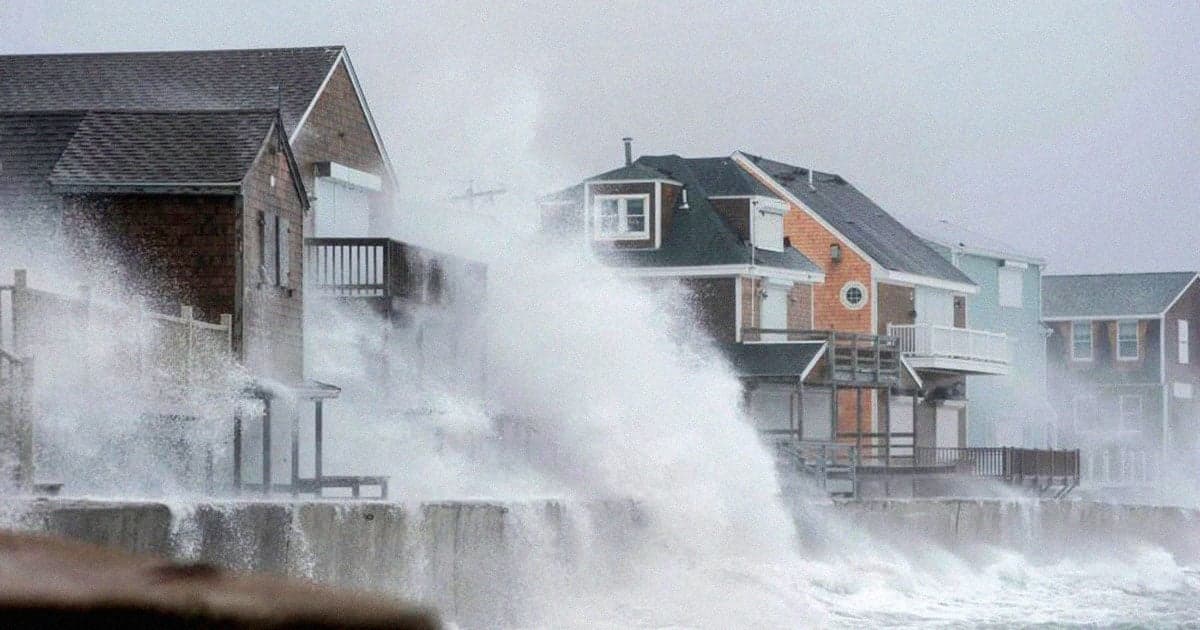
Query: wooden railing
x=384 y=268
x=850 y=358
x=353 y=267
x=832 y=465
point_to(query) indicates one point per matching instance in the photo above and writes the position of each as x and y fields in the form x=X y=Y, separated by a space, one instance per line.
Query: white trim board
x=903 y=278
x=344 y=57
x=717 y=271
x=877 y=269
x=1102 y=318
x=745 y=162
x=350 y=176
x=631 y=181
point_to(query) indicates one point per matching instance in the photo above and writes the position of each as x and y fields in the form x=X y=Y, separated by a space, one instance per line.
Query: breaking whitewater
x=637 y=494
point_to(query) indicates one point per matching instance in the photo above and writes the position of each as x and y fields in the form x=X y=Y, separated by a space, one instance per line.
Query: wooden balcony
x=384 y=269
x=950 y=349
x=850 y=359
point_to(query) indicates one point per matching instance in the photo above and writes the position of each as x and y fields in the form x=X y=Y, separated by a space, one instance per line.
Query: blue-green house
x=1011 y=409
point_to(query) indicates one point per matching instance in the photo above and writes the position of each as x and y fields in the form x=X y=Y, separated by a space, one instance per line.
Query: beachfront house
x=222 y=180
x=1011 y=408
x=846 y=329
x=1123 y=373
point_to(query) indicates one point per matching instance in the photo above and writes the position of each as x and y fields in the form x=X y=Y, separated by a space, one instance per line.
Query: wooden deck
x=851 y=359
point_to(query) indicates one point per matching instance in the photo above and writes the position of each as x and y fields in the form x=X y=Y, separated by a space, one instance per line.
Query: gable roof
x=196 y=150
x=950 y=234
x=30 y=145
x=699 y=236
x=287 y=79
x=1112 y=294
x=879 y=235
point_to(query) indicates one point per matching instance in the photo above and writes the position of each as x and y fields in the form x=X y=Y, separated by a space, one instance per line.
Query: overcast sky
x=1071 y=130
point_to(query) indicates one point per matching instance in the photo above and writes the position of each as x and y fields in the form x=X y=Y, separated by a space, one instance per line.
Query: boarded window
x=269 y=269
x=1010 y=287
x=341 y=210
x=1184 y=342
x=768 y=231
x=283 y=245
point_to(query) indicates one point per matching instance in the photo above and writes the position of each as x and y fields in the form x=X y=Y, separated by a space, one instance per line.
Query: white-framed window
x=1184 y=347
x=1130 y=407
x=1011 y=281
x=622 y=216
x=854 y=295
x=1127 y=341
x=768 y=228
x=1081 y=341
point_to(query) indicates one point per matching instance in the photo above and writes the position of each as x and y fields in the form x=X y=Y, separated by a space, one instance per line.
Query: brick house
x=1123 y=373
x=869 y=346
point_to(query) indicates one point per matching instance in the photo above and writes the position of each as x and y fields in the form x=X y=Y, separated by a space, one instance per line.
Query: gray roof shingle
x=284 y=78
x=699 y=236
x=860 y=220
x=1111 y=294
x=193 y=149
x=30 y=145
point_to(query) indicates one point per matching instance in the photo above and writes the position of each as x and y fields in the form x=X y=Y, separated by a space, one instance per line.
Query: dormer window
x=622 y=216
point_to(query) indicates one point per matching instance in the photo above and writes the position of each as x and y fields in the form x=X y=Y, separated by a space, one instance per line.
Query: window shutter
x=1184 y=342
x=285 y=258
x=267 y=224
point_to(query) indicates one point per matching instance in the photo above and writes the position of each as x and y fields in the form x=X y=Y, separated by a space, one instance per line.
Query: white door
x=774 y=310
x=934 y=306
x=947 y=427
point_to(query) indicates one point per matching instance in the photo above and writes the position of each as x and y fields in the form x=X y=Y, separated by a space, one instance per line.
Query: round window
x=854 y=295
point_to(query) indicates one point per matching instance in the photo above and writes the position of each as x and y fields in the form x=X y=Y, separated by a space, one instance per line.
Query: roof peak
x=1120 y=273
x=118 y=53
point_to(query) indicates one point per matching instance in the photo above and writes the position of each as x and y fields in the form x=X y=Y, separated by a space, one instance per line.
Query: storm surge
x=602 y=475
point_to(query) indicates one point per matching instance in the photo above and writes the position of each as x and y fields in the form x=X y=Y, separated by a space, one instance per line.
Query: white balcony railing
x=929 y=340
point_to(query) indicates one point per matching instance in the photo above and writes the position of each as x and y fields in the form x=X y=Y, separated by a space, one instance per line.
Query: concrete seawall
x=466 y=557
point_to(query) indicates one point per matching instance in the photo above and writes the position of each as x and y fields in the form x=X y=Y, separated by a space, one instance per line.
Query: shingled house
x=845 y=327
x=214 y=179
x=1123 y=373
x=175 y=145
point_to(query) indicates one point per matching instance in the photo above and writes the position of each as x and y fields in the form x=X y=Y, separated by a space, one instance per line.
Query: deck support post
x=318 y=447
x=237 y=450
x=266 y=445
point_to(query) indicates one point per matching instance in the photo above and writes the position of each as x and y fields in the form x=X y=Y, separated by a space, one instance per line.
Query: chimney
x=628 y=150
x=811 y=184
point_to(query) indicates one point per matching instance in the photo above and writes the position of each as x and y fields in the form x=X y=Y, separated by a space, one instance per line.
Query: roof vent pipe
x=811 y=183
x=684 y=205
x=628 y=150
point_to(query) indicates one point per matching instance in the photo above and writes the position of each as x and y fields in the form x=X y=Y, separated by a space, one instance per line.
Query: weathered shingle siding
x=170 y=249
x=337 y=130
x=272 y=316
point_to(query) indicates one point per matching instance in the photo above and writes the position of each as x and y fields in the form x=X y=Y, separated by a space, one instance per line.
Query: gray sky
x=1071 y=130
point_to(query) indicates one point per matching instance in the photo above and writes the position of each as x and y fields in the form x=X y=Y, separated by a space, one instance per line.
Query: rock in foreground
x=48 y=582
